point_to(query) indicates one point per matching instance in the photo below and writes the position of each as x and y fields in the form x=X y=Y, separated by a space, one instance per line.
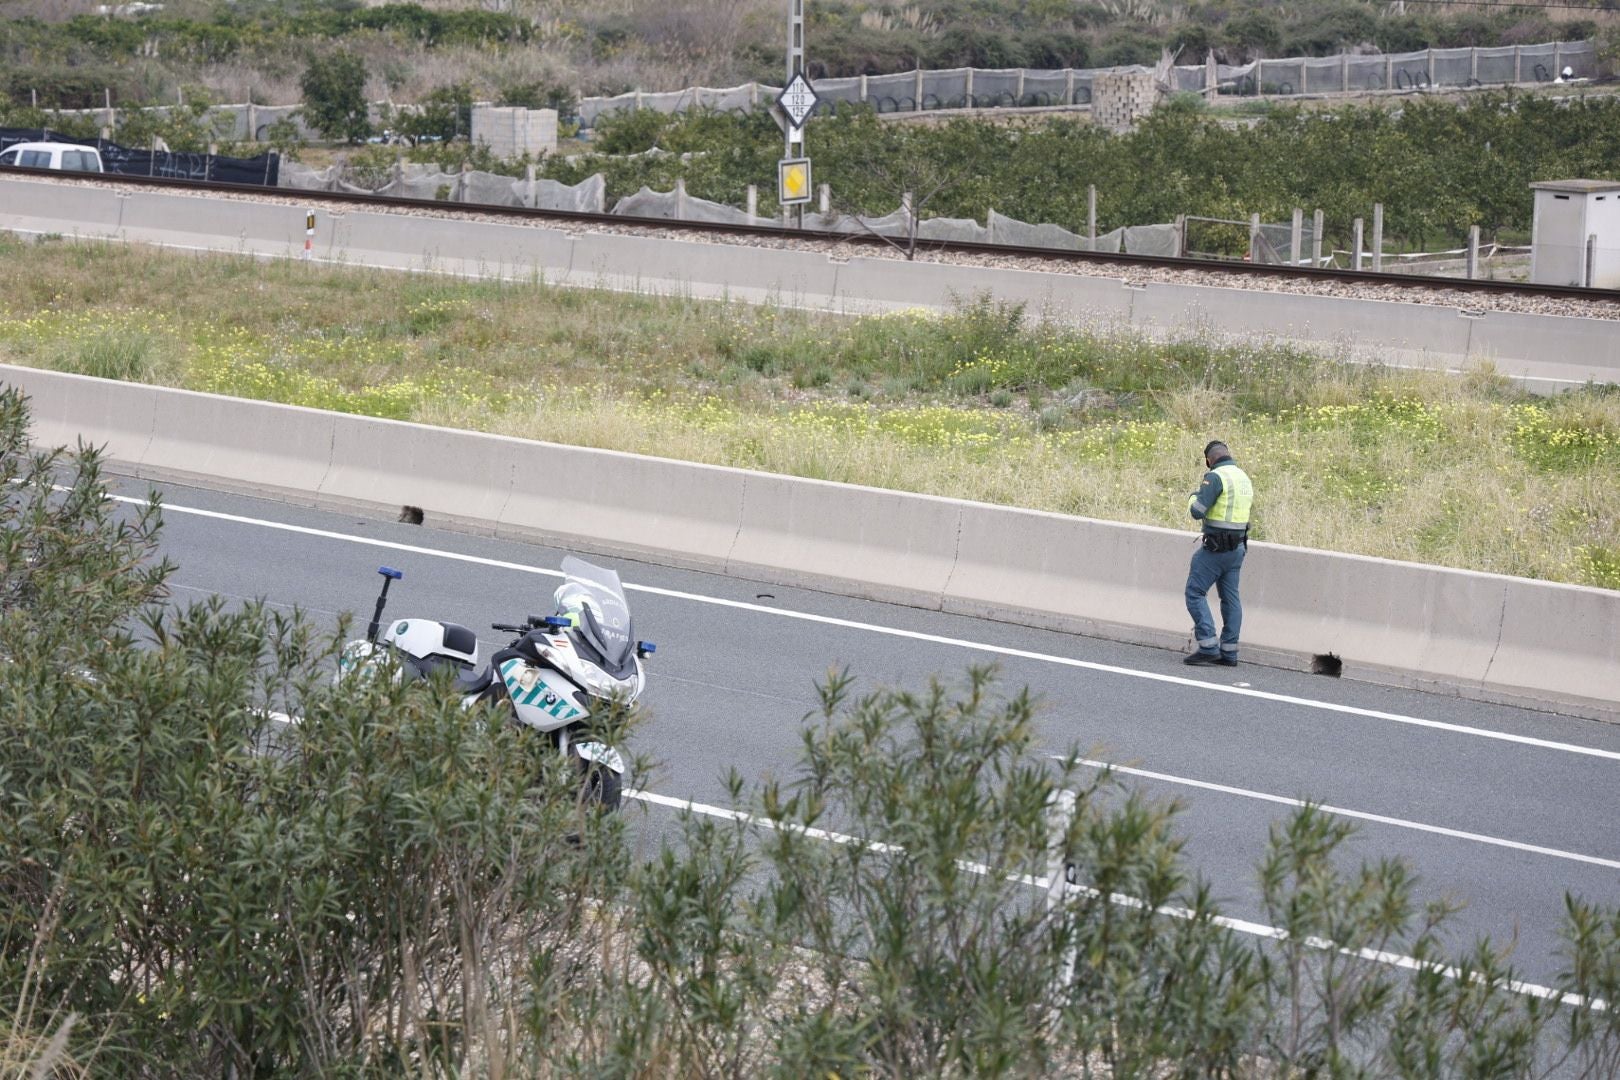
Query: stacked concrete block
x=1119 y=99
x=513 y=132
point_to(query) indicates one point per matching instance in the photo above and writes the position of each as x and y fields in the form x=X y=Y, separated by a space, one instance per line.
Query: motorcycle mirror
x=389 y=575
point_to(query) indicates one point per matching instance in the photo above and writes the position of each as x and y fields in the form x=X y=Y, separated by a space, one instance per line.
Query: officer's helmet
x=570 y=598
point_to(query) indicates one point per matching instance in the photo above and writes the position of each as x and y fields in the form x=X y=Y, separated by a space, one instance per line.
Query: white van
x=67 y=157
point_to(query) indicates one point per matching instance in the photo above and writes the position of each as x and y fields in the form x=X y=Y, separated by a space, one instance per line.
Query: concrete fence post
x=253 y=122
x=1518 y=65
x=753 y=200
x=1295 y=229
x=1304 y=77
x=824 y=198
x=680 y=198
x=1091 y=213
x=753 y=94
x=863 y=87
x=1254 y=238
x=967 y=93
x=1378 y=238
x=1473 y=252
x=107 y=117
x=638 y=100
x=1018 y=95
x=916 y=94
x=1059 y=872
x=1429 y=72
x=1181 y=235
x=1344 y=73
x=1389 y=72
x=1355 y=243
x=529 y=186
x=1316 y=239
x=1558 y=59
x=1591 y=260
x=1473 y=63
x=1068 y=88
x=464 y=183
x=33 y=98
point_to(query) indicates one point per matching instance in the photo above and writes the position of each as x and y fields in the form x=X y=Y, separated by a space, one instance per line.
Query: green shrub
x=113 y=354
x=334 y=88
x=443 y=114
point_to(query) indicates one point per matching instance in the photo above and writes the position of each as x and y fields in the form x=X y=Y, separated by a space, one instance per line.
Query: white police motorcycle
x=557 y=671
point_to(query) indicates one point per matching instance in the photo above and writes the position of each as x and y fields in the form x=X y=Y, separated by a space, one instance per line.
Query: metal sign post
x=797 y=101
x=309 y=235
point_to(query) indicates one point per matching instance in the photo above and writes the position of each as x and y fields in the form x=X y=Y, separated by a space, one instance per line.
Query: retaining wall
x=1481 y=635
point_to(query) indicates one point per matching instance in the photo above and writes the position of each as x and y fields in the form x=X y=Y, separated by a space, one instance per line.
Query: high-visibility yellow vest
x=1236 y=500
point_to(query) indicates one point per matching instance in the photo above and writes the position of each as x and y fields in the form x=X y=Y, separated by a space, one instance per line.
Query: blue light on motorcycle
x=647 y=648
x=557 y=622
x=390 y=573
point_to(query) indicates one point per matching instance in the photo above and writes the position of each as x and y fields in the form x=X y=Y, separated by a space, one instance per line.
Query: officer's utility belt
x=1223 y=540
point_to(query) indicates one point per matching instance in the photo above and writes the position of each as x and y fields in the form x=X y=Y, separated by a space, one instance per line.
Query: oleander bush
x=382 y=884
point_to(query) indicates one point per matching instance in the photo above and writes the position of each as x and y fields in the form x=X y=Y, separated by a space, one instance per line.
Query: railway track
x=1480 y=295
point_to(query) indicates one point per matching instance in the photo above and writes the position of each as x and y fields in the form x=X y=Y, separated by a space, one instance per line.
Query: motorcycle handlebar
x=508 y=628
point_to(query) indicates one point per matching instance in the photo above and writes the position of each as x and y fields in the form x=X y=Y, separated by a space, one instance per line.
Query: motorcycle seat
x=475 y=680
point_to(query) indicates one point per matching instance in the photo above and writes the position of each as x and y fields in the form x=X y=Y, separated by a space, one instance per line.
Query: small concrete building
x=512 y=132
x=1575 y=237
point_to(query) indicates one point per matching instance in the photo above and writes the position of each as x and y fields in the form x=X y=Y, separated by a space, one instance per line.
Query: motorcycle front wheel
x=602 y=787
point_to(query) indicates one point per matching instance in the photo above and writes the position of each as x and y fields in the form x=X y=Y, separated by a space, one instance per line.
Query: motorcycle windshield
x=608 y=626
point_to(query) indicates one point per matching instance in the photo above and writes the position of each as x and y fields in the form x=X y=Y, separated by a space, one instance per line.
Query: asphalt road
x=1500 y=809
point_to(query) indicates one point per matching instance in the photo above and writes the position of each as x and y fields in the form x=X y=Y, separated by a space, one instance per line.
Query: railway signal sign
x=798 y=100
x=793 y=181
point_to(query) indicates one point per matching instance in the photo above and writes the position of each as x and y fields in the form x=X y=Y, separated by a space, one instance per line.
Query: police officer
x=1223 y=503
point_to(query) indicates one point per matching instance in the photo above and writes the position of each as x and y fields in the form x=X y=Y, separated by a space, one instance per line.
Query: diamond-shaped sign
x=793 y=181
x=798 y=100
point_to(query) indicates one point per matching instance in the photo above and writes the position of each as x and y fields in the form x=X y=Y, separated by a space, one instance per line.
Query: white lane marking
x=1360 y=815
x=914 y=635
x=1242 y=926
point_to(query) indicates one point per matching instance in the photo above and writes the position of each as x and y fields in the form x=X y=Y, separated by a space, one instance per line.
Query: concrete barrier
x=223 y=224
x=754 y=274
x=624 y=504
x=877 y=284
x=473 y=248
x=66 y=408
x=1356 y=326
x=1072 y=574
x=1482 y=635
x=387 y=465
x=41 y=206
x=1517 y=343
x=256 y=445
x=1560 y=642
x=868 y=542
x=1390 y=615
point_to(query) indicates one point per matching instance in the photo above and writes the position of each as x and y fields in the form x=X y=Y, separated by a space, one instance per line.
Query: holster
x=1225 y=540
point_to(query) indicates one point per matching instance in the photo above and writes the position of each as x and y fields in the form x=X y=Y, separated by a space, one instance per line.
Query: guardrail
x=1483 y=636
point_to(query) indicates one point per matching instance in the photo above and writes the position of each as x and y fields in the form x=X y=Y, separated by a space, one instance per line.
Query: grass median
x=985 y=402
